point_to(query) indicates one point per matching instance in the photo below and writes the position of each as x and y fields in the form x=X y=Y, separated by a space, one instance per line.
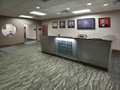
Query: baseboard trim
x=30 y=38
x=84 y=63
x=38 y=40
x=115 y=50
x=11 y=44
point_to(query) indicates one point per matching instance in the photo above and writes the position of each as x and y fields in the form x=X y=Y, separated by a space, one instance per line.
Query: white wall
x=112 y=33
x=30 y=32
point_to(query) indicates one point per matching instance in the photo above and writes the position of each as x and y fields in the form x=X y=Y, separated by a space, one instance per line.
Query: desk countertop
x=96 y=39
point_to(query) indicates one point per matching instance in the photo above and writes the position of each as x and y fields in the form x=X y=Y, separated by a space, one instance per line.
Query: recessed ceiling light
x=89 y=4
x=67 y=8
x=38 y=7
x=58 y=13
x=105 y=4
x=24 y=16
x=81 y=11
x=25 y=25
x=38 y=13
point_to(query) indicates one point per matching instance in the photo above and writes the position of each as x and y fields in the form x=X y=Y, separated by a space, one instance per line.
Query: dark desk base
x=84 y=63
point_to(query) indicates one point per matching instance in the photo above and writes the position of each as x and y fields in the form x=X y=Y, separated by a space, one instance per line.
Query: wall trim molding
x=115 y=50
x=30 y=39
x=11 y=44
x=38 y=40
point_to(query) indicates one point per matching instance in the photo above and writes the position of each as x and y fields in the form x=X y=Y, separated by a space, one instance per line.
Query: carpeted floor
x=24 y=67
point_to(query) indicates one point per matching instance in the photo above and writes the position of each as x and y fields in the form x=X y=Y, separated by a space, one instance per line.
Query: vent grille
x=65 y=11
x=116 y=1
x=44 y=0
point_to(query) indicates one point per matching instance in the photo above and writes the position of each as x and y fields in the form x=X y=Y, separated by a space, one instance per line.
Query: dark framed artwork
x=71 y=23
x=55 y=25
x=104 y=22
x=88 y=23
x=62 y=24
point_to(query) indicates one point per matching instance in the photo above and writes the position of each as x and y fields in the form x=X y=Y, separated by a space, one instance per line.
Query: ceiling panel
x=35 y=2
x=110 y=6
x=104 y=1
x=26 y=5
x=52 y=7
x=72 y=3
x=85 y=1
x=116 y=6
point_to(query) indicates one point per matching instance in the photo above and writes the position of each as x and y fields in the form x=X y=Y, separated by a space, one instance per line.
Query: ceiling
x=15 y=8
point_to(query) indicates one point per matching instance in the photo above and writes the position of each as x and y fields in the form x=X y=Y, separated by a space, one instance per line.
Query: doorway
x=45 y=30
x=24 y=31
x=30 y=33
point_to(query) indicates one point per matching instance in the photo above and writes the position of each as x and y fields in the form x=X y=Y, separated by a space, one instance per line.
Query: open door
x=45 y=30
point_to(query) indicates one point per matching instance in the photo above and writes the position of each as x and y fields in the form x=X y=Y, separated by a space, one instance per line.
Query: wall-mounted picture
x=62 y=24
x=71 y=24
x=104 y=22
x=55 y=25
x=88 y=23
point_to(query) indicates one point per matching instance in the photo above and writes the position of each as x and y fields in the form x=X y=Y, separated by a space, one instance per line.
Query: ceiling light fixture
x=67 y=8
x=81 y=11
x=24 y=16
x=25 y=25
x=105 y=4
x=37 y=7
x=58 y=13
x=38 y=13
x=89 y=4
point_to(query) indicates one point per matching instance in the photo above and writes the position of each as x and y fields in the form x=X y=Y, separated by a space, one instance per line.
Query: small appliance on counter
x=58 y=35
x=82 y=36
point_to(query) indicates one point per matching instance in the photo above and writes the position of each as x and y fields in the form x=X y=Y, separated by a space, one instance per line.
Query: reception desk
x=92 y=52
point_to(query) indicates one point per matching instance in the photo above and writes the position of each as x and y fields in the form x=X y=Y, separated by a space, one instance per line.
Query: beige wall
x=112 y=33
x=19 y=23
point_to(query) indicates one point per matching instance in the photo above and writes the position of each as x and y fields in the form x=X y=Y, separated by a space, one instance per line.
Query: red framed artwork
x=104 y=22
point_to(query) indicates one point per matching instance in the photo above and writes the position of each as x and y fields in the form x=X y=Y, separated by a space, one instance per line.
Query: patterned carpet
x=24 y=67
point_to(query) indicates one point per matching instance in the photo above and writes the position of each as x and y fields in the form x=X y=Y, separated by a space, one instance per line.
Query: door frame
x=35 y=29
x=43 y=29
x=24 y=31
x=36 y=32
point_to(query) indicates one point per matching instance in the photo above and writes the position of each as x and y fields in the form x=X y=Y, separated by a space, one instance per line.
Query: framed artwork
x=104 y=22
x=62 y=24
x=71 y=24
x=55 y=25
x=88 y=23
